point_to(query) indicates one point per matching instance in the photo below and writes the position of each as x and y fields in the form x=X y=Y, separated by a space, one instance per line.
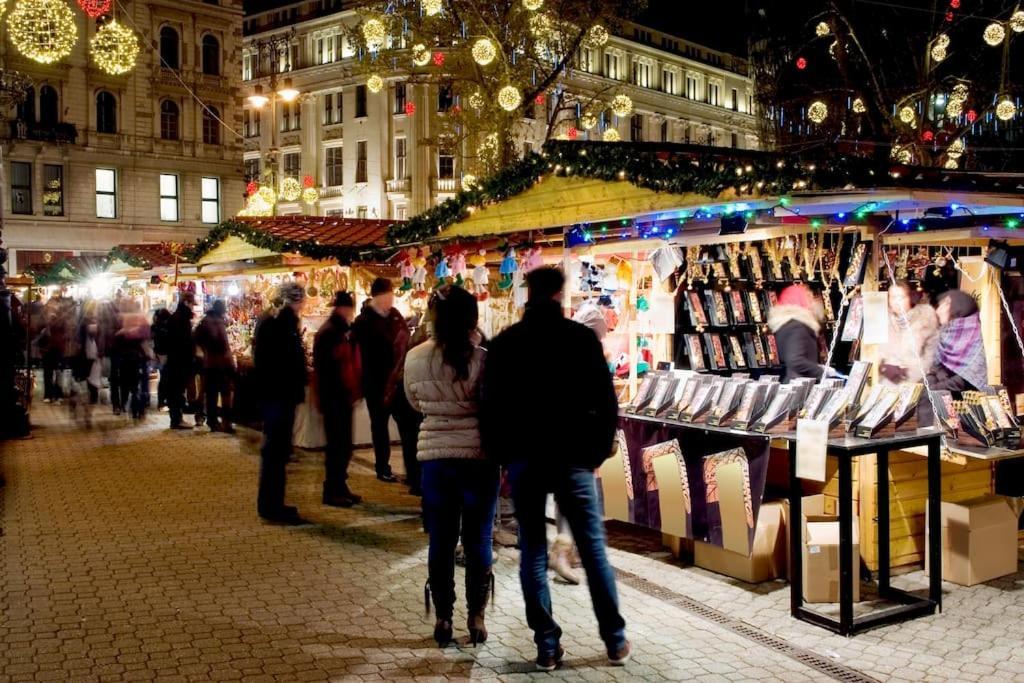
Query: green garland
x=54 y=275
x=265 y=240
x=126 y=257
x=683 y=169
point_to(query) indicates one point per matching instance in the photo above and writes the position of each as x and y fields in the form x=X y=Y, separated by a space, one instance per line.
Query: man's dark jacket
x=336 y=361
x=181 y=348
x=547 y=393
x=280 y=358
x=383 y=343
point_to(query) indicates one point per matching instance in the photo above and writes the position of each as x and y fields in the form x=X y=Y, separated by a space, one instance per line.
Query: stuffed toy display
x=508 y=268
x=442 y=272
x=407 y=270
x=459 y=268
x=419 y=276
x=481 y=276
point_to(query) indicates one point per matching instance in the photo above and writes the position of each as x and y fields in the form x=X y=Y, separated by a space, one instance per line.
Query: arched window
x=106 y=112
x=211 y=126
x=49 y=106
x=27 y=107
x=211 y=55
x=169 y=120
x=169 y=48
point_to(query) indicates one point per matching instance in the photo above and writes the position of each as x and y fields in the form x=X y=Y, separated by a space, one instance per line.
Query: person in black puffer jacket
x=796 y=323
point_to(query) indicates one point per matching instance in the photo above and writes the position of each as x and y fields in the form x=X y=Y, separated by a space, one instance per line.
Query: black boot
x=479 y=588
x=444 y=606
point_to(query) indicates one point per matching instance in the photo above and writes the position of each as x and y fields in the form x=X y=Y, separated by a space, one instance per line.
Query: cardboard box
x=820 y=551
x=979 y=540
x=767 y=559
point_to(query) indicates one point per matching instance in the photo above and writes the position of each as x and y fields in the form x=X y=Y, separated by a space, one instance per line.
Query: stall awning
x=126 y=258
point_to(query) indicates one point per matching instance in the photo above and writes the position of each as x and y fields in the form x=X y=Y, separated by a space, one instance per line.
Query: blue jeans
x=458 y=495
x=576 y=496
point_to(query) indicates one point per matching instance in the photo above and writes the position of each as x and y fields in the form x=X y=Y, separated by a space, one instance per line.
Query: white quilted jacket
x=450 y=407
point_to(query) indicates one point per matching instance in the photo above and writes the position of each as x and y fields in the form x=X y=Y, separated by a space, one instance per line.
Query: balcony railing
x=43 y=132
x=398 y=185
x=446 y=184
x=332 y=191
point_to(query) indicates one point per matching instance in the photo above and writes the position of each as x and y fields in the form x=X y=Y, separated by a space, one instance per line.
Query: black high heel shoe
x=443 y=632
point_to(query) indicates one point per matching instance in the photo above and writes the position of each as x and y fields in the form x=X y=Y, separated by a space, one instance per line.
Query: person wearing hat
x=796 y=323
x=181 y=353
x=383 y=337
x=280 y=360
x=218 y=367
x=338 y=386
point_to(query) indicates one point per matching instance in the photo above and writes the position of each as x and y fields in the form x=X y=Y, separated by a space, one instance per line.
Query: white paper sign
x=876 y=318
x=811 y=446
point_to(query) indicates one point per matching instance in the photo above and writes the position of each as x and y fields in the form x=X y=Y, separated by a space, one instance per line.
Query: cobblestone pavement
x=133 y=553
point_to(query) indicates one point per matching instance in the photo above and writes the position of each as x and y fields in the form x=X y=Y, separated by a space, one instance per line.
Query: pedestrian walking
x=218 y=367
x=548 y=413
x=281 y=372
x=460 y=487
x=160 y=332
x=181 y=354
x=383 y=338
x=52 y=342
x=338 y=374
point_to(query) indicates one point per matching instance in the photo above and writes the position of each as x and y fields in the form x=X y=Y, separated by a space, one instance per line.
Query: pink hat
x=797 y=295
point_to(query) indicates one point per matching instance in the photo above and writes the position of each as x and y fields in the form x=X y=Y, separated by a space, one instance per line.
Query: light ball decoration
x=611 y=135
x=817 y=112
x=410 y=108
x=420 y=54
x=801 y=63
x=960 y=91
x=476 y=100
x=972 y=116
x=994 y=34
x=431 y=7
x=942 y=40
x=375 y=83
x=438 y=58
x=484 y=51
x=509 y=98
x=822 y=29
x=114 y=48
x=597 y=36
x=540 y=25
x=267 y=194
x=94 y=9
x=907 y=114
x=42 y=30
x=310 y=195
x=903 y=155
x=588 y=121
x=291 y=190
x=954 y=108
x=572 y=133
x=533 y=5
x=1017 y=21
x=956 y=149
x=938 y=53
x=469 y=181
x=951 y=164
x=374 y=33
x=858 y=106
x=1006 y=109
x=621 y=105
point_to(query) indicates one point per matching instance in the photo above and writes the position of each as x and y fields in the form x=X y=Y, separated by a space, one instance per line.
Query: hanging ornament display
x=375 y=83
x=858 y=106
x=801 y=63
x=469 y=181
x=954 y=108
x=994 y=34
x=476 y=100
x=114 y=48
x=533 y=5
x=951 y=164
x=622 y=105
x=611 y=135
x=431 y=7
x=308 y=181
x=290 y=189
x=374 y=33
x=1017 y=21
x=94 y=9
x=588 y=121
x=1006 y=109
x=438 y=59
x=410 y=108
x=420 y=54
x=484 y=51
x=597 y=36
x=817 y=112
x=539 y=99
x=260 y=203
x=822 y=29
x=42 y=30
x=310 y=195
x=509 y=98
x=907 y=114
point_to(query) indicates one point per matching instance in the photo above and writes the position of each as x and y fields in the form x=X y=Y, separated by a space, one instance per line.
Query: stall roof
x=148 y=256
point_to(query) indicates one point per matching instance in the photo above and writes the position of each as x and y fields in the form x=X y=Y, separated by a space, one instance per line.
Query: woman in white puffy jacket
x=460 y=487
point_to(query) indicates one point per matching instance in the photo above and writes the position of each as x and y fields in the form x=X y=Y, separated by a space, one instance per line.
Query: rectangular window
x=587 y=60
x=735 y=99
x=21 y=187
x=735 y=141
x=668 y=82
x=247 y=61
x=332 y=108
x=361 y=161
x=53 y=190
x=361 y=213
x=664 y=131
x=636 y=128
x=692 y=86
x=106 y=193
x=246 y=123
x=401 y=212
x=400 y=98
x=714 y=94
x=291 y=116
x=333 y=166
x=257 y=119
x=642 y=74
x=611 y=65
x=292 y=165
x=527 y=149
x=445 y=98
x=211 y=200
x=360 y=101
x=252 y=170
x=400 y=151
x=445 y=166
x=168 y=197
x=296 y=115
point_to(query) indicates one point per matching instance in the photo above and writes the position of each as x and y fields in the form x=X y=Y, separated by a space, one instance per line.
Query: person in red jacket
x=336 y=362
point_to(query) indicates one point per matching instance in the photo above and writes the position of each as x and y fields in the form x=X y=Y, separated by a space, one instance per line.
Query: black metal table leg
x=934 y=522
x=846 y=569
x=796 y=559
x=884 y=560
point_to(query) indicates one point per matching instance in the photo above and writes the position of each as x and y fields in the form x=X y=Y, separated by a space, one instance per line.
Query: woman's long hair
x=455 y=317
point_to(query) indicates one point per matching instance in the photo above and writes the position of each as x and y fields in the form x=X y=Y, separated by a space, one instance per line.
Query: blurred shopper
x=549 y=412
x=218 y=367
x=796 y=323
x=89 y=364
x=160 y=332
x=132 y=342
x=52 y=342
x=383 y=338
x=913 y=336
x=960 y=363
x=281 y=372
x=338 y=383
x=181 y=354
x=460 y=487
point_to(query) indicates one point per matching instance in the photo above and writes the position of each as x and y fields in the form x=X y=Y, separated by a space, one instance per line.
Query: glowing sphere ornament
x=596 y=36
x=611 y=135
x=410 y=108
x=251 y=187
x=588 y=121
x=907 y=114
x=94 y=9
x=954 y=108
x=951 y=164
x=858 y=106
x=469 y=181
x=621 y=105
x=955 y=149
x=438 y=58
x=572 y=133
x=817 y=112
x=420 y=54
x=431 y=7
x=533 y=5
x=822 y=29
x=994 y=34
x=375 y=83
x=801 y=63
x=1017 y=21
x=42 y=30
x=540 y=25
x=290 y=189
x=310 y=195
x=938 y=53
x=904 y=156
x=942 y=40
x=476 y=100
x=1006 y=109
x=928 y=136
x=509 y=98
x=114 y=48
x=307 y=181
x=972 y=116
x=484 y=51
x=960 y=91
x=374 y=33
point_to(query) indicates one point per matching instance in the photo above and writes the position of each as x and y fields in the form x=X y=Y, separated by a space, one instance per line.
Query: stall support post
x=634 y=328
x=796 y=559
x=846 y=559
x=935 y=522
x=882 y=496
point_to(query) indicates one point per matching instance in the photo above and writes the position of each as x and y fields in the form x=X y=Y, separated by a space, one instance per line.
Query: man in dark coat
x=383 y=338
x=548 y=413
x=181 y=353
x=280 y=361
x=338 y=380
x=218 y=367
x=796 y=323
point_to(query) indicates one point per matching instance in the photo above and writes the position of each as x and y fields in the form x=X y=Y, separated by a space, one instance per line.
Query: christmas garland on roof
x=60 y=273
x=127 y=257
x=714 y=172
x=264 y=240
